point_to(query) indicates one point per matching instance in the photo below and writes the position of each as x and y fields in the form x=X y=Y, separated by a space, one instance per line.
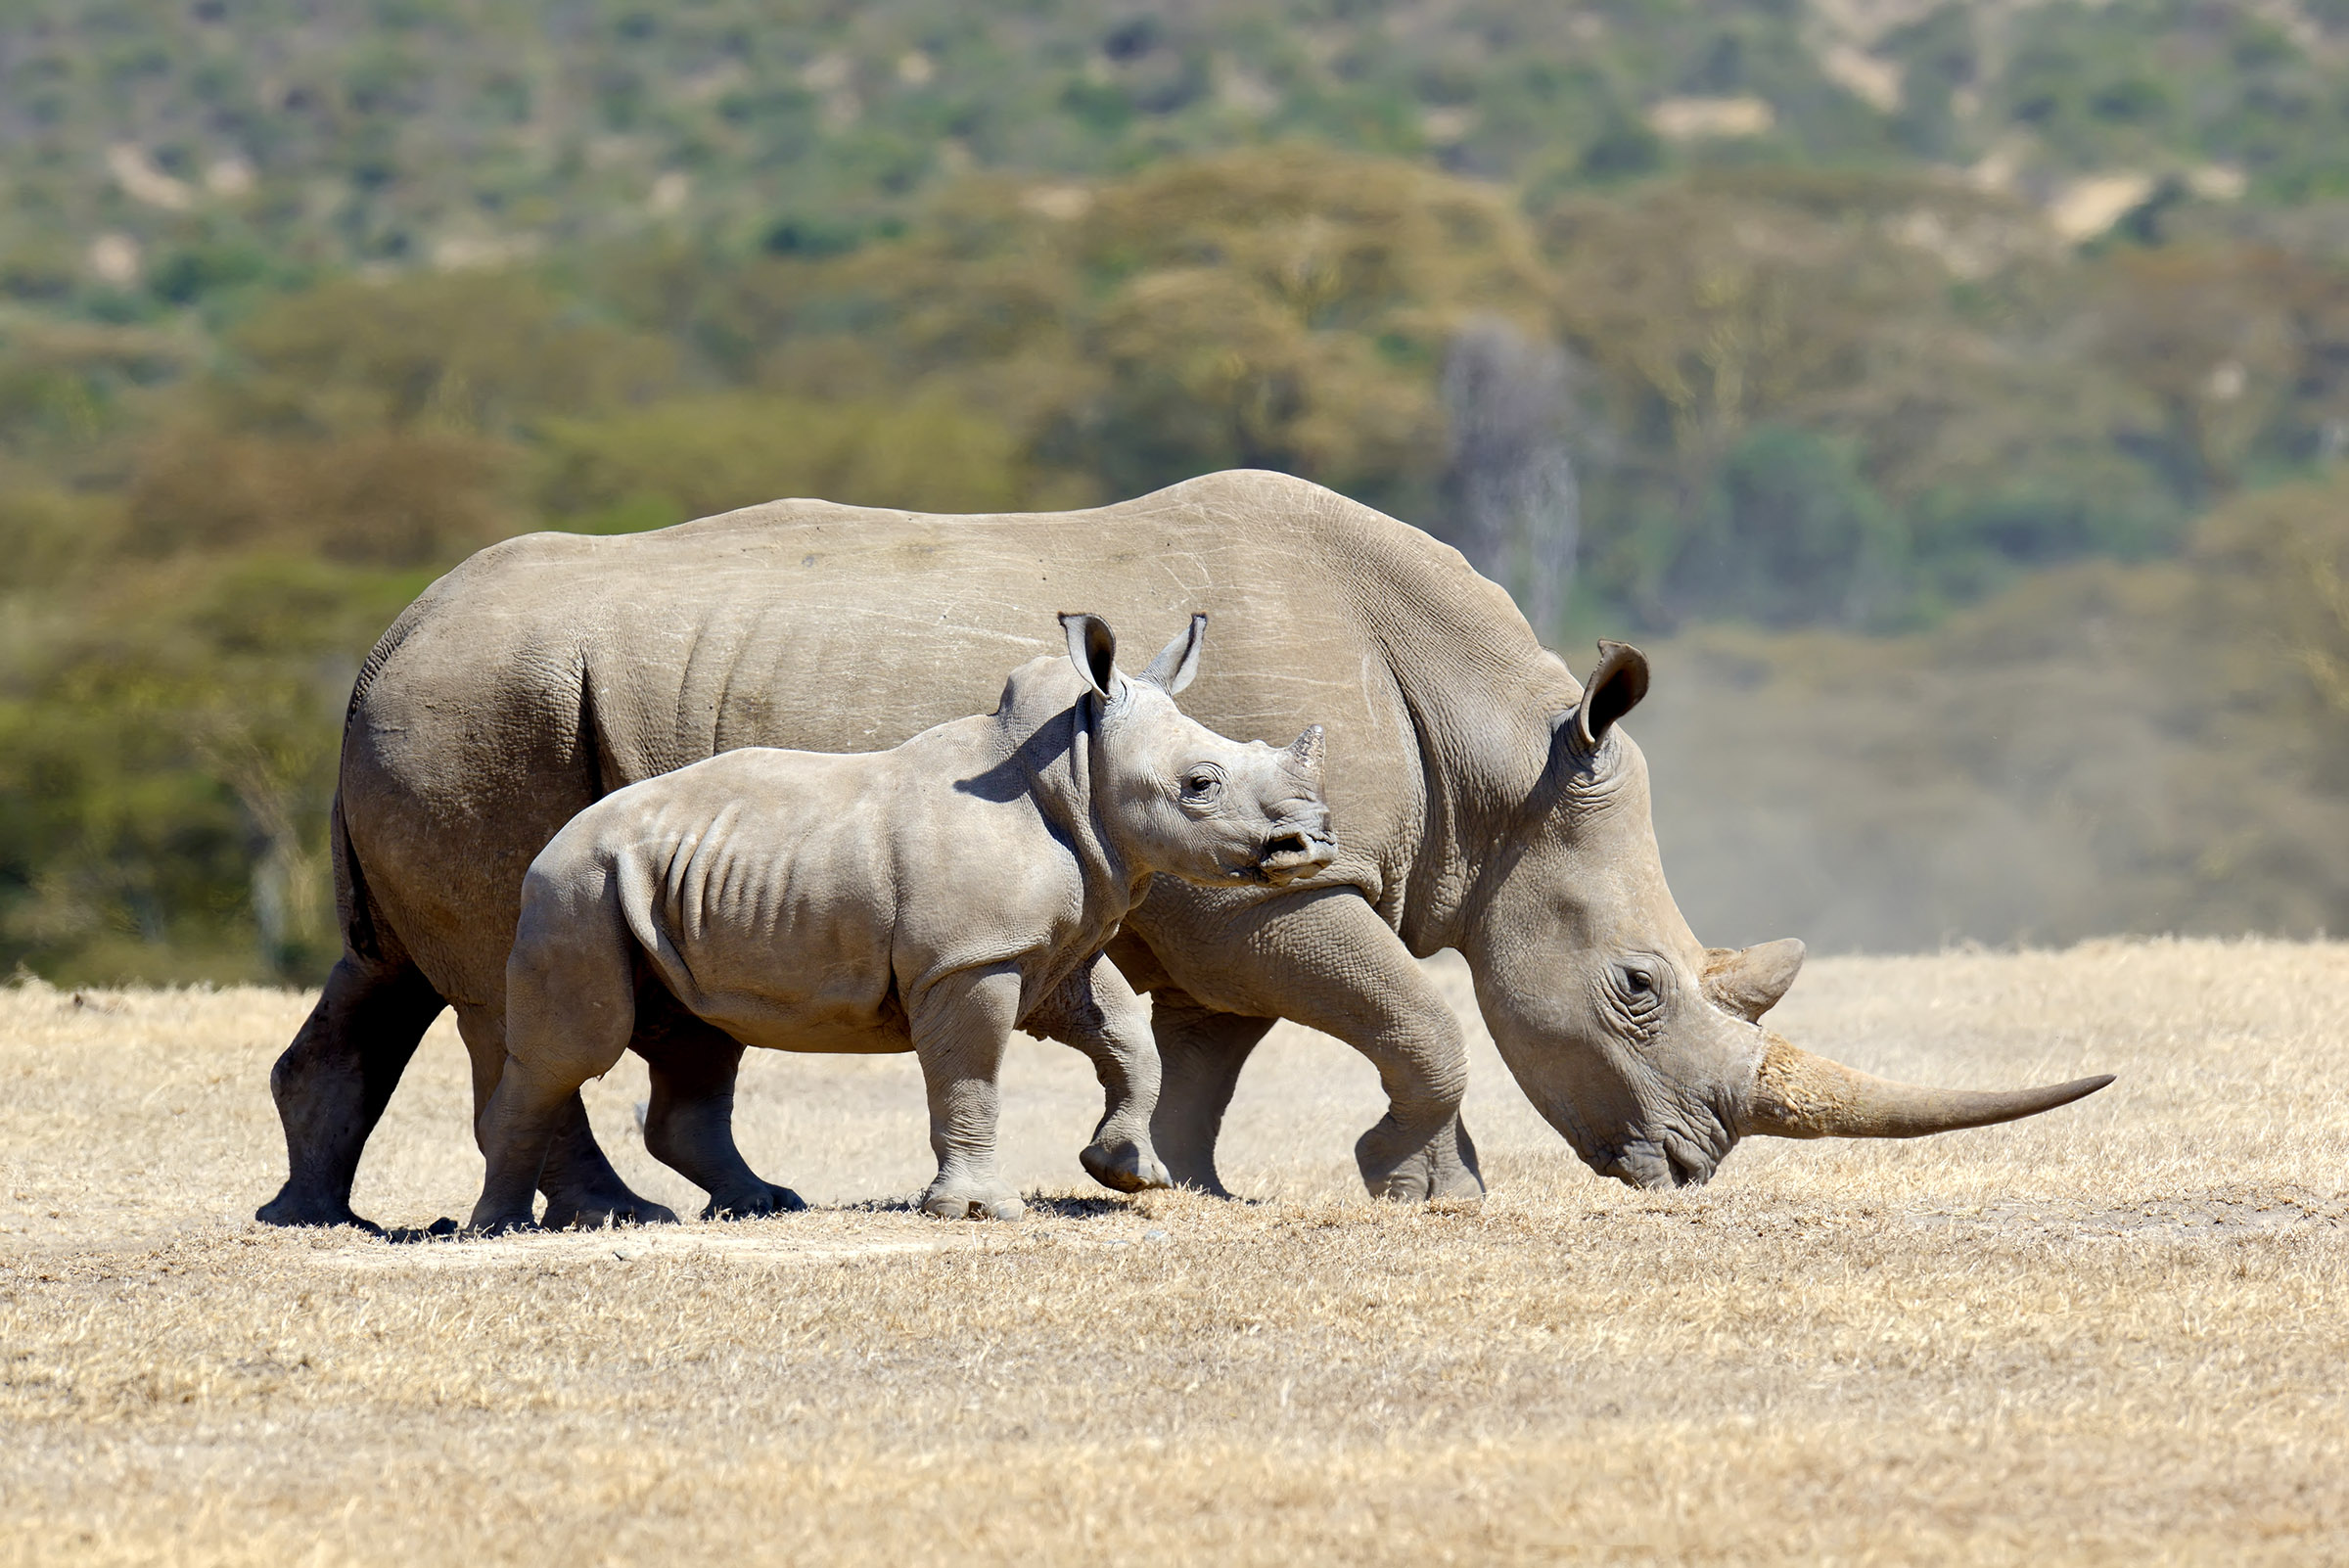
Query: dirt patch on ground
x=2186 y=1216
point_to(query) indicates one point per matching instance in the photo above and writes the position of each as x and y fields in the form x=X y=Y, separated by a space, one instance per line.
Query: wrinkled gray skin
x=931 y=897
x=1486 y=802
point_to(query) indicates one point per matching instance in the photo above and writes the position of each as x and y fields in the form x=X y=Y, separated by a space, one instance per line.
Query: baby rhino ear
x=1092 y=649
x=1178 y=660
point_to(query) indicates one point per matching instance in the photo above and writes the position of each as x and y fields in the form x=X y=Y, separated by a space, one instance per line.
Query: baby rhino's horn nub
x=1306 y=749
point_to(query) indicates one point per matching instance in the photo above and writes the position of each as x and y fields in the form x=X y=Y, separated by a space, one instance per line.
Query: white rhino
x=931 y=897
x=1488 y=802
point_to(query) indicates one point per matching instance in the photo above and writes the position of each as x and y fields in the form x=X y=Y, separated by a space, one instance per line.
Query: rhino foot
x=766 y=1199
x=1124 y=1166
x=1441 y=1170
x=504 y=1224
x=1207 y=1183
x=972 y=1200
x=291 y=1208
x=598 y=1213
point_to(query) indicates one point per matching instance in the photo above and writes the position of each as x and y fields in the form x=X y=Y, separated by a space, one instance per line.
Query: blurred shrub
x=694 y=456
x=2281 y=559
x=1709 y=307
x=479 y=353
x=64 y=385
x=51 y=537
x=1284 y=308
x=1287 y=309
x=166 y=768
x=388 y=497
x=2002 y=407
x=1796 y=536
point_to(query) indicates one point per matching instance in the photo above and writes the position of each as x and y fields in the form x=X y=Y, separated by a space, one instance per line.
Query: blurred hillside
x=240 y=139
x=2101 y=749
x=1950 y=396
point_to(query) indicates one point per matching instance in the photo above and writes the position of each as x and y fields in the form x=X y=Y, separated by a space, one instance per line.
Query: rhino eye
x=1631 y=991
x=1200 y=784
x=1639 y=984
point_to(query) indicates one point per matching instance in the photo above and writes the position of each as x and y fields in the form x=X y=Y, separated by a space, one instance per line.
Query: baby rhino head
x=1181 y=798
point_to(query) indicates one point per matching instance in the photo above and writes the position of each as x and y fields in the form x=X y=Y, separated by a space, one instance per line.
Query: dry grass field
x=2117 y=1333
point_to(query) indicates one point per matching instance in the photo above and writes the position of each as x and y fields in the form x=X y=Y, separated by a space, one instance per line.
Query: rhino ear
x=1613 y=690
x=1092 y=649
x=1178 y=660
x=1749 y=980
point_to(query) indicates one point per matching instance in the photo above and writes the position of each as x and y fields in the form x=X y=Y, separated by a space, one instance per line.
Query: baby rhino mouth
x=1293 y=855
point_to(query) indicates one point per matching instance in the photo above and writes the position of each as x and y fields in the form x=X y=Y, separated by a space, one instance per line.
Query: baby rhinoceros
x=932 y=898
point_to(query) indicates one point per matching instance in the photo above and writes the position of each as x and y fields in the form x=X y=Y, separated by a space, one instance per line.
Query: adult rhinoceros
x=1483 y=801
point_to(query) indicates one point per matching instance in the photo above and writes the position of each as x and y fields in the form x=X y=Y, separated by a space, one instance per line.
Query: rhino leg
x=1326 y=959
x=571 y=1009
x=1201 y=1052
x=1098 y=1012
x=581 y=1188
x=961 y=1024
x=689 y=1122
x=333 y=1082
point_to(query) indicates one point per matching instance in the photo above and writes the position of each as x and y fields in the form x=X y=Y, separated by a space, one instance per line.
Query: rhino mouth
x=1292 y=857
x=1660 y=1164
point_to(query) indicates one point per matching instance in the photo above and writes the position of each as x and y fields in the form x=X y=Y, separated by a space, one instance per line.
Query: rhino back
x=552 y=668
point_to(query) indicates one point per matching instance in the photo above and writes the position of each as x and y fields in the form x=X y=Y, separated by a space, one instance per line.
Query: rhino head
x=1639 y=1043
x=1180 y=799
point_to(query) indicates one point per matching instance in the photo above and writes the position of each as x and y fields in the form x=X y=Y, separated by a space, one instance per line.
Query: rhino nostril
x=1286 y=844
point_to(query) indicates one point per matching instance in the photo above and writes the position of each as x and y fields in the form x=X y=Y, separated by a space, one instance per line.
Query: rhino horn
x=1749 y=980
x=1306 y=749
x=1799 y=1095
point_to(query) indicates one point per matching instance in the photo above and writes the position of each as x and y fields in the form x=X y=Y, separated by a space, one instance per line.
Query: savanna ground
x=2115 y=1333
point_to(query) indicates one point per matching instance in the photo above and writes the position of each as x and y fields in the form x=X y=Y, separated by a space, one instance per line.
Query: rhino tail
x=359 y=934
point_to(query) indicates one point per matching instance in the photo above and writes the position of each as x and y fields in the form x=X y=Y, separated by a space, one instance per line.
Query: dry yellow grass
x=2113 y=1334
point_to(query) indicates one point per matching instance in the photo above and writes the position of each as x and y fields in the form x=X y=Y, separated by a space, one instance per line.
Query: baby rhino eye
x=1199 y=785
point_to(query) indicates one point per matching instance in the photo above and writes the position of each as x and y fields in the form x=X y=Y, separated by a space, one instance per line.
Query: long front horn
x=1799 y=1095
